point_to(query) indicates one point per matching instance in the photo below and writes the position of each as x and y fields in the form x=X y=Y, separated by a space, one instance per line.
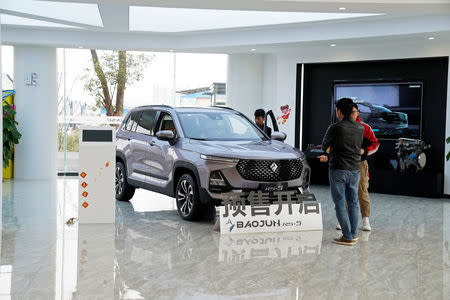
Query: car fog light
x=218 y=183
x=216 y=179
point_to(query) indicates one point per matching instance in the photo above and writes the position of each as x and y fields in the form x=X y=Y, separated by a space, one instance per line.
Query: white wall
x=280 y=90
x=245 y=82
x=35 y=155
x=258 y=81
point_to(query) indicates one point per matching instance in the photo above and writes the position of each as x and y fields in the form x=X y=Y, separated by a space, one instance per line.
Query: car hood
x=247 y=150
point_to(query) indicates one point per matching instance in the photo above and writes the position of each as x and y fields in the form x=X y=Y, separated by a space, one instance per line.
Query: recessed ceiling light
x=332 y=45
x=431 y=38
x=253 y=49
x=342 y=8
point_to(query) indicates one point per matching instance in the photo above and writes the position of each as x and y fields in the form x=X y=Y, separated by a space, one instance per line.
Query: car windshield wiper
x=198 y=139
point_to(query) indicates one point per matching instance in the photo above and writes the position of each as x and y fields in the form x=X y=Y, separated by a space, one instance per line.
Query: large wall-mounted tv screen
x=393 y=110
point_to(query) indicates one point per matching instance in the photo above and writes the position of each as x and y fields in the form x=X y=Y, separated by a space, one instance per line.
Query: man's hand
x=362 y=151
x=323 y=158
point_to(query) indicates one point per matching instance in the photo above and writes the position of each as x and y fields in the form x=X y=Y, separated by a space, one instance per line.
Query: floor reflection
x=151 y=253
x=240 y=248
x=145 y=201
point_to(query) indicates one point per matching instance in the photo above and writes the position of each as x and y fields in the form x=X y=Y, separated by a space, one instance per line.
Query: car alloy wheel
x=185 y=197
x=119 y=181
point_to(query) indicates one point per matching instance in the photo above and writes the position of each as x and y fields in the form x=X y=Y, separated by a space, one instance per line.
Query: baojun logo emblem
x=230 y=225
x=274 y=167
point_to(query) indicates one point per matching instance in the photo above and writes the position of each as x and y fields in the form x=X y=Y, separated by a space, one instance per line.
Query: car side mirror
x=278 y=135
x=165 y=135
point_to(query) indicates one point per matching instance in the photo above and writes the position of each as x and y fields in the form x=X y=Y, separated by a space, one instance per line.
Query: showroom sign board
x=290 y=211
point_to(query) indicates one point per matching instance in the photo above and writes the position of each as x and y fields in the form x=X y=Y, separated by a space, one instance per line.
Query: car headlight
x=219 y=158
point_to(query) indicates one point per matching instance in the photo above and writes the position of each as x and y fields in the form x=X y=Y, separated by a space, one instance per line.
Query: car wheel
x=124 y=191
x=187 y=197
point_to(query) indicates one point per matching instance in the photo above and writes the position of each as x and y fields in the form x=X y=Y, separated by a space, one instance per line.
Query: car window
x=167 y=123
x=382 y=108
x=146 y=122
x=219 y=126
x=130 y=125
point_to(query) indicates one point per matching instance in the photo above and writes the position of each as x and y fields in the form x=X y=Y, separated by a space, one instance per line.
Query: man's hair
x=355 y=105
x=260 y=113
x=345 y=105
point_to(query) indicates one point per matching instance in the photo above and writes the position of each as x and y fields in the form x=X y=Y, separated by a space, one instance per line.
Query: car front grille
x=270 y=170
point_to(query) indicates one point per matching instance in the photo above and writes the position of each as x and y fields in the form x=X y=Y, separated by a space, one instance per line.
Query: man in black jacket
x=260 y=115
x=343 y=142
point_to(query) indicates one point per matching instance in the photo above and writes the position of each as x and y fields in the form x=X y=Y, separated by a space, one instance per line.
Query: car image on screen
x=383 y=121
x=392 y=109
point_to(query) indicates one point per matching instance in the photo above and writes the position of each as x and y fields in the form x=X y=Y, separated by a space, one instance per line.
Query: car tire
x=124 y=191
x=188 y=198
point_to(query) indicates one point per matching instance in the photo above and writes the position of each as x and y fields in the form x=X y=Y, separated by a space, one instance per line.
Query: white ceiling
x=217 y=25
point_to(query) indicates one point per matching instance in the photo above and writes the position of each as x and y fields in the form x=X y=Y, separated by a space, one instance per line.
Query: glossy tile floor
x=150 y=253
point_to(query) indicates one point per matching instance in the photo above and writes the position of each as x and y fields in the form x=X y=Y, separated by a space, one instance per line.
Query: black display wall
x=319 y=79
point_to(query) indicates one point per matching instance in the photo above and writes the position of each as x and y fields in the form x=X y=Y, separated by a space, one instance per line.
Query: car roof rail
x=224 y=107
x=154 y=105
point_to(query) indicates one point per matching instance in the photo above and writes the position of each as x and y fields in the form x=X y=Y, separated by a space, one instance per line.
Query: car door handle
x=152 y=143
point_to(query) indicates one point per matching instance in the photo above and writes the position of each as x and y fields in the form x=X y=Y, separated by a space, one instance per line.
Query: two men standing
x=342 y=143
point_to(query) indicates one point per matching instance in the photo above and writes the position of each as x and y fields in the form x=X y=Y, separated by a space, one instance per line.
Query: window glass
x=237 y=125
x=167 y=123
x=130 y=122
x=146 y=122
x=136 y=118
x=364 y=109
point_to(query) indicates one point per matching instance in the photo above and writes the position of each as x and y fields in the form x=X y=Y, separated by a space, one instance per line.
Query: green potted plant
x=11 y=135
x=448 y=154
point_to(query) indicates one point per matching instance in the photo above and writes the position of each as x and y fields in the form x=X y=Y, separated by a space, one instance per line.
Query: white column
x=244 y=82
x=36 y=153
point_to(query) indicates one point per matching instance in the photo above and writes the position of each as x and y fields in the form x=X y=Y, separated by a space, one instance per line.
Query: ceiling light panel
x=160 y=19
x=83 y=13
x=19 y=21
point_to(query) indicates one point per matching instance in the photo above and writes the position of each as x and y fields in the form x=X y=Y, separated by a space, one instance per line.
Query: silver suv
x=201 y=156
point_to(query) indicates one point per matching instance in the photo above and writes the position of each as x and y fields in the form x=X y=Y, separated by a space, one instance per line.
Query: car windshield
x=219 y=126
x=382 y=108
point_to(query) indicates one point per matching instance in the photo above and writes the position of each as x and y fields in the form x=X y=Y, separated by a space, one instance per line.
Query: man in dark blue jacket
x=342 y=143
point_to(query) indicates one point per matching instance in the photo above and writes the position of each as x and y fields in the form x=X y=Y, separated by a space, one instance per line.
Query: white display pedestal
x=96 y=197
